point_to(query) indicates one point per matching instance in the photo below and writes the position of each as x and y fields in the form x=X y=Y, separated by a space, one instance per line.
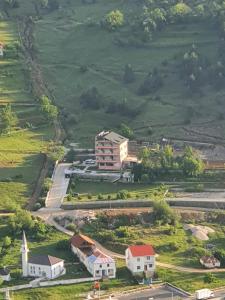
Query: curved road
x=58 y=192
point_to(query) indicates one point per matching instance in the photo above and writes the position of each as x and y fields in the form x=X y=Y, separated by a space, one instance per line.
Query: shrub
x=100 y=197
x=122 y=194
x=114 y=20
x=209 y=278
x=71 y=227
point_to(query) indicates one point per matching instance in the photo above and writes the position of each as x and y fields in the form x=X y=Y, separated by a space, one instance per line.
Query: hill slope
x=76 y=54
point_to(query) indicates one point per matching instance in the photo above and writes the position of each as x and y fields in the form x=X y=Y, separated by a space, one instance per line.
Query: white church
x=45 y=266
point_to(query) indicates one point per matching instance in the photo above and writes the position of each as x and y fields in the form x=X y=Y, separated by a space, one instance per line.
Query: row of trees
x=158 y=163
x=49 y=110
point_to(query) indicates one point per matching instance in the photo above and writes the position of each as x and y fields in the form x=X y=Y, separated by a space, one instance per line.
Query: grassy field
x=91 y=191
x=20 y=158
x=71 y=38
x=189 y=282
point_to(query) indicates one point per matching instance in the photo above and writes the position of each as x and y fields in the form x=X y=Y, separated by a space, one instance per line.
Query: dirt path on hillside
x=38 y=87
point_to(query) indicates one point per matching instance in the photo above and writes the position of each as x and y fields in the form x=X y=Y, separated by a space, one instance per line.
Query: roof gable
x=141 y=250
x=45 y=260
x=80 y=241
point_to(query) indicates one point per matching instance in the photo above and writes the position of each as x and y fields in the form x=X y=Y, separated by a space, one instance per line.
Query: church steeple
x=24 y=250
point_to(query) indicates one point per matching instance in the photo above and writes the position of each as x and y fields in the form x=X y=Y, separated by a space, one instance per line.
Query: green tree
x=49 y=110
x=21 y=220
x=8 y=119
x=114 y=19
x=47 y=184
x=191 y=164
x=180 y=10
x=167 y=157
x=163 y=213
x=126 y=131
x=6 y=242
x=56 y=152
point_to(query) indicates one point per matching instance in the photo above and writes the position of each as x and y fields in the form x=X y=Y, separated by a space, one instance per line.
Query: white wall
x=45 y=271
x=138 y=264
x=100 y=270
x=93 y=267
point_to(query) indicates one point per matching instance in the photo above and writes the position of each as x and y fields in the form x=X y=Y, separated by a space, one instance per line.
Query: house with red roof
x=141 y=258
x=97 y=263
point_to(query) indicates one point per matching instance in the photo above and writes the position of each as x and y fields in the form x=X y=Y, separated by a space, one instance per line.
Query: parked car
x=90 y=162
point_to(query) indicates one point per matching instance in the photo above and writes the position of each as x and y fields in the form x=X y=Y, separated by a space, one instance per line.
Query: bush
x=100 y=197
x=123 y=194
x=71 y=227
x=113 y=20
x=63 y=245
x=209 y=278
x=37 y=206
x=91 y=99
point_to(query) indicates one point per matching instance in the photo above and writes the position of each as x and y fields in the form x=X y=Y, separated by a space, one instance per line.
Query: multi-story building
x=97 y=263
x=141 y=258
x=111 y=149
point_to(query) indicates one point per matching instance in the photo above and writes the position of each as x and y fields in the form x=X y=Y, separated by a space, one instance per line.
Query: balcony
x=106 y=154
x=106 y=161
x=105 y=147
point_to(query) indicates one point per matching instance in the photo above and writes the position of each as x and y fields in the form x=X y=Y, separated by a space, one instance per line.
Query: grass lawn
x=71 y=38
x=20 y=159
x=190 y=282
x=89 y=191
x=123 y=282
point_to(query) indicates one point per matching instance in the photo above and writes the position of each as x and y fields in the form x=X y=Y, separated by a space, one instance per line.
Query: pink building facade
x=111 y=149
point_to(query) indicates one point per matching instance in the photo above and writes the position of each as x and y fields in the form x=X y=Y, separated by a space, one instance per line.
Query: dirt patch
x=198 y=231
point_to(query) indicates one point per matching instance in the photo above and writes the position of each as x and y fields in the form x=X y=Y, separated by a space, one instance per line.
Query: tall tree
x=8 y=119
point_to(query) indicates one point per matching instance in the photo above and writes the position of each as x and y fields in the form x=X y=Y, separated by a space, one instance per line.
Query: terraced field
x=20 y=152
x=71 y=38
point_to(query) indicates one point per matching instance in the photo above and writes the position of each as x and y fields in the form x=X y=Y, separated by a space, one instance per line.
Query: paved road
x=59 y=187
x=162 y=293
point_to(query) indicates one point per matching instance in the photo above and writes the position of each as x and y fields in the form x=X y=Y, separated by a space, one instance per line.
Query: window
x=138 y=259
x=148 y=257
x=107 y=265
x=97 y=272
x=150 y=265
x=100 y=266
x=138 y=267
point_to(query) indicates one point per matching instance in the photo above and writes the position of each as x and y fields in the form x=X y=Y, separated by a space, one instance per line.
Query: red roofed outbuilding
x=141 y=258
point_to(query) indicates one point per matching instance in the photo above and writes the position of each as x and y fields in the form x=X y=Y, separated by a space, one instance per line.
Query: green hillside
x=76 y=53
x=20 y=158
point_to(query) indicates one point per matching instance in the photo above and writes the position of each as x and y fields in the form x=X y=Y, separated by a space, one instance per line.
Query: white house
x=97 y=263
x=46 y=266
x=141 y=258
x=5 y=274
x=210 y=262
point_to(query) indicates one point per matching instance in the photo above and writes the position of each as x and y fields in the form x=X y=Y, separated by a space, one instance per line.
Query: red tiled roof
x=80 y=240
x=142 y=250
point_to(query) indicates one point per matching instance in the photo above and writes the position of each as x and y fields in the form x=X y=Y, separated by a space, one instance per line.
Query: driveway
x=59 y=187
